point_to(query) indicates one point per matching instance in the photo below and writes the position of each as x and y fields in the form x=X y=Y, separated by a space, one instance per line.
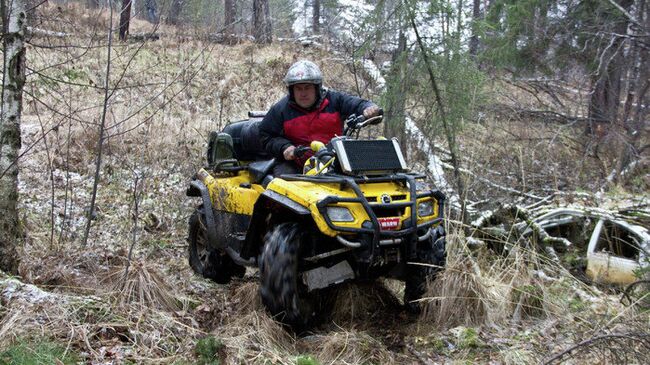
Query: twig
x=441 y=112
x=626 y=13
x=419 y=355
x=49 y=166
x=635 y=337
x=102 y=128
x=628 y=291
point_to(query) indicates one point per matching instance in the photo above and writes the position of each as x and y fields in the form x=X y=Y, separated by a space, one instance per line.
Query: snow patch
x=374 y=72
x=14 y=289
x=302 y=25
x=434 y=164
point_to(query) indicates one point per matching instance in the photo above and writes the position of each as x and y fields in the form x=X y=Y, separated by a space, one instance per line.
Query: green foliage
x=576 y=305
x=306 y=360
x=439 y=345
x=37 y=351
x=209 y=351
x=574 y=259
x=468 y=339
x=512 y=33
x=458 y=77
x=73 y=74
x=283 y=17
x=461 y=87
x=544 y=35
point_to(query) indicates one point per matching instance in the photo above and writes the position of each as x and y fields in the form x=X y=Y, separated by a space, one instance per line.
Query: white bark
x=434 y=164
x=13 y=81
x=45 y=33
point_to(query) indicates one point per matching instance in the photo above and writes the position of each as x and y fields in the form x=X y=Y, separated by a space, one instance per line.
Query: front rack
x=378 y=235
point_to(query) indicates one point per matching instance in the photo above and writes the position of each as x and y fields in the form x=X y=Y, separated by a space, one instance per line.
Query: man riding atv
x=355 y=213
x=308 y=113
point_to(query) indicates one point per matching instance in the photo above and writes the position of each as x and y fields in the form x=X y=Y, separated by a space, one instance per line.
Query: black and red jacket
x=287 y=124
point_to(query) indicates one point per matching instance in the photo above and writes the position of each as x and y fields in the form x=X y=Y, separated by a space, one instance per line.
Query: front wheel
x=432 y=253
x=281 y=289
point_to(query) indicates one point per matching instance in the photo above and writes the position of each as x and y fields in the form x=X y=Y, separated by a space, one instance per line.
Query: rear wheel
x=431 y=252
x=281 y=289
x=210 y=263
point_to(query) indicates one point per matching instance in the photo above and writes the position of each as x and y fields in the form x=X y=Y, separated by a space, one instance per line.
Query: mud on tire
x=432 y=252
x=211 y=264
x=282 y=292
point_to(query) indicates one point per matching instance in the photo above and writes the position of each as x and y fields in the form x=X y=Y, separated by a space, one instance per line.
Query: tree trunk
x=379 y=24
x=174 y=12
x=606 y=82
x=396 y=92
x=229 y=21
x=476 y=17
x=12 y=102
x=125 y=18
x=637 y=103
x=316 y=16
x=262 y=22
x=151 y=11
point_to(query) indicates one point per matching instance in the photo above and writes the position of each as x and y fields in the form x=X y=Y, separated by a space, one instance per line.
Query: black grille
x=388 y=212
x=372 y=155
x=374 y=199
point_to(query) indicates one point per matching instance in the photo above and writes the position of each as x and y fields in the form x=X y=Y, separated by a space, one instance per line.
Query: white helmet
x=303 y=72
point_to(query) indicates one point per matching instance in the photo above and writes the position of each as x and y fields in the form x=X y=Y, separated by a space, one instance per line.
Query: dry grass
x=139 y=284
x=459 y=296
x=364 y=304
x=347 y=347
x=246 y=297
x=254 y=337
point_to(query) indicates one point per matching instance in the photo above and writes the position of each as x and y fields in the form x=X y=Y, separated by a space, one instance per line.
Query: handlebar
x=356 y=122
x=301 y=150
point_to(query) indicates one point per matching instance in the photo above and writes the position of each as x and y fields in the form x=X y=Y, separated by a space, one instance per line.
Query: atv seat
x=246 y=139
x=239 y=140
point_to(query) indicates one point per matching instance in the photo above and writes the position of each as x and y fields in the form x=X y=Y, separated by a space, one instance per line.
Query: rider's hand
x=288 y=153
x=371 y=111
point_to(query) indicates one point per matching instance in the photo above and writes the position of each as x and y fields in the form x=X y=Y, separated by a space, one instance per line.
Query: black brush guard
x=378 y=235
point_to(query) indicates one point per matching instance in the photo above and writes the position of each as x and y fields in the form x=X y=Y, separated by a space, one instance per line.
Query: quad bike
x=354 y=214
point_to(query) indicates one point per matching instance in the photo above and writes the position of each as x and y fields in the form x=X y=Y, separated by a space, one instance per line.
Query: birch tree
x=316 y=16
x=14 y=16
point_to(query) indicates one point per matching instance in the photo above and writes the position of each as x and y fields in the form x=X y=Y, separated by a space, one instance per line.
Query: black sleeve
x=272 y=132
x=348 y=104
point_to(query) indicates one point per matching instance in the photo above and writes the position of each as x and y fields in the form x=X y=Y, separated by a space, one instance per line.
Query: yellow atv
x=354 y=214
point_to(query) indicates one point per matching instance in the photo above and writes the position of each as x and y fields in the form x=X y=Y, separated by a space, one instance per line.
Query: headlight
x=425 y=208
x=339 y=214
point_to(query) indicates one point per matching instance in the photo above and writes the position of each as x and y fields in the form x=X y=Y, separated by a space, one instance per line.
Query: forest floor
x=129 y=296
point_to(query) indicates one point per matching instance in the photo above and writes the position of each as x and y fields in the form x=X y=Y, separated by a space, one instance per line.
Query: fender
x=211 y=230
x=258 y=223
x=198 y=188
x=287 y=202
